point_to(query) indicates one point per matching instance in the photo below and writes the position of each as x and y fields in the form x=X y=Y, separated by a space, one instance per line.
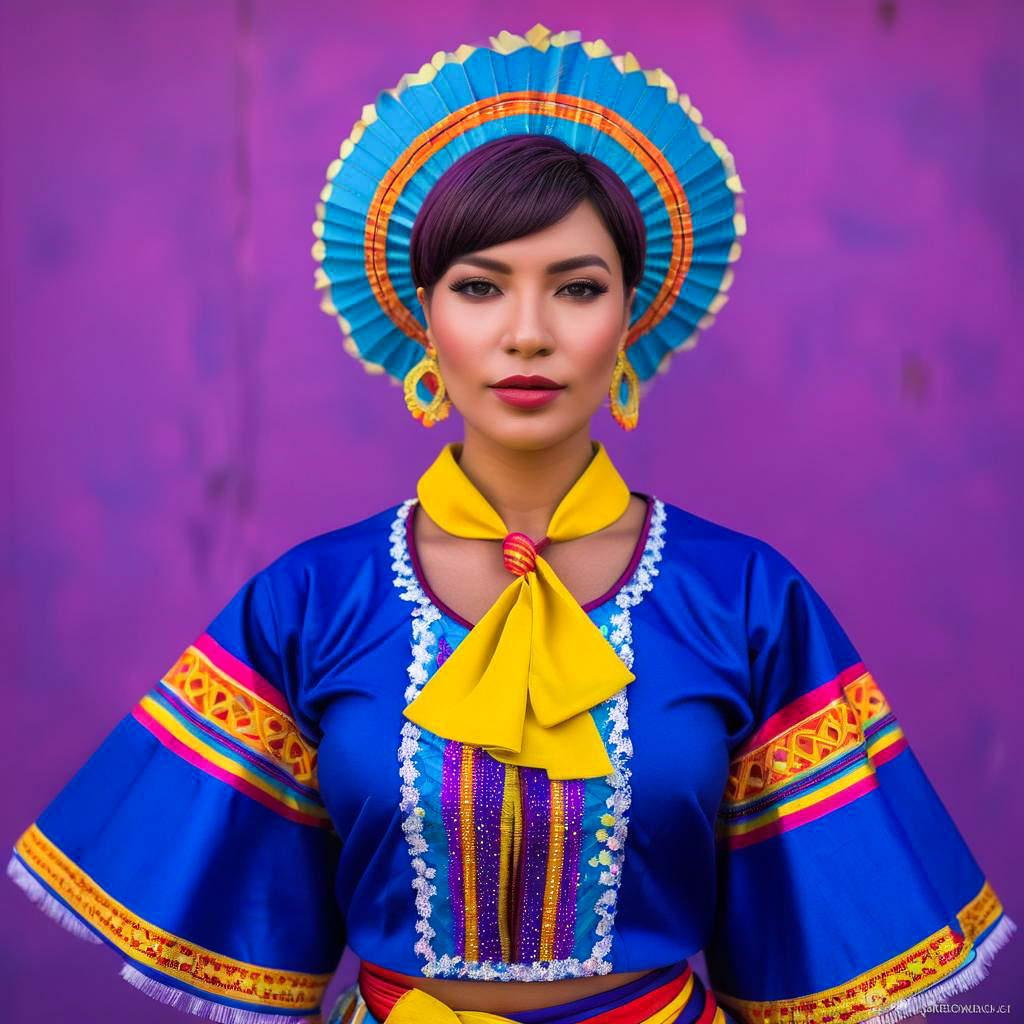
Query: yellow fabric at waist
x=417 y=1007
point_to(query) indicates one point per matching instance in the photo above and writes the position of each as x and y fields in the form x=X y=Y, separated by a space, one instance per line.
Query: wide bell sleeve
x=194 y=841
x=845 y=891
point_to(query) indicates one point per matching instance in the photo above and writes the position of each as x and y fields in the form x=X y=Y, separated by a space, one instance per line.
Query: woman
x=529 y=726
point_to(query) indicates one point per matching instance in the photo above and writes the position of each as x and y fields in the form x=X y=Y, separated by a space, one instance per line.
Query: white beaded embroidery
x=424 y=612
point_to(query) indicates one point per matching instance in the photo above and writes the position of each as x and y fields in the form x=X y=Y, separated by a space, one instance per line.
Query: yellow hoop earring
x=625 y=415
x=439 y=406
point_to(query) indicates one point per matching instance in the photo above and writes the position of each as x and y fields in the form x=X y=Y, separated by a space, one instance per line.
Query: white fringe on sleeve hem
x=964 y=979
x=190 y=1003
x=176 y=997
x=49 y=905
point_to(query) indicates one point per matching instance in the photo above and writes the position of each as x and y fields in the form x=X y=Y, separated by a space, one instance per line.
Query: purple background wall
x=176 y=410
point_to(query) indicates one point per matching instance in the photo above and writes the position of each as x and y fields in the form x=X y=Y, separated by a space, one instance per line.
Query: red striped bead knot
x=519 y=553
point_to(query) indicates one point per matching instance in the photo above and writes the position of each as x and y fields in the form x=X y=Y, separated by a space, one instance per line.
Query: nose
x=528 y=333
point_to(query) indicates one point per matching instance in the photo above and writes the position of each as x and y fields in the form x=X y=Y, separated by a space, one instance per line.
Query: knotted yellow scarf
x=522 y=682
x=416 y=1007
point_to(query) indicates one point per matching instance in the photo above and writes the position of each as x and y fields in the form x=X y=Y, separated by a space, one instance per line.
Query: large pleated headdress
x=635 y=121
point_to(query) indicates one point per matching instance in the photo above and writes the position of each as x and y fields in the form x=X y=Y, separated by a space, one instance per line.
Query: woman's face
x=549 y=305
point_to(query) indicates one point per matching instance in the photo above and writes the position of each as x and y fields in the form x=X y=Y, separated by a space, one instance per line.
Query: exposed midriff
x=516 y=996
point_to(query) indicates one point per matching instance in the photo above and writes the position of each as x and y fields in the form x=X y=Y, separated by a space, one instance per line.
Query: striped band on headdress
x=682 y=177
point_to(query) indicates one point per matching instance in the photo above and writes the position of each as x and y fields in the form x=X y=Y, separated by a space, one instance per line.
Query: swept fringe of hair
x=511 y=187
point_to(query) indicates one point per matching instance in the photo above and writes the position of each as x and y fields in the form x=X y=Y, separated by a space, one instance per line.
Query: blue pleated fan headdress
x=682 y=177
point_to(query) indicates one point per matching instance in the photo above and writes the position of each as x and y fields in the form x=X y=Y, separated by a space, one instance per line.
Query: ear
x=627 y=315
x=424 y=300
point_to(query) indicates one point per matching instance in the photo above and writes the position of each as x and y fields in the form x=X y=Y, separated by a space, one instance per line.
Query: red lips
x=531 y=382
x=527 y=391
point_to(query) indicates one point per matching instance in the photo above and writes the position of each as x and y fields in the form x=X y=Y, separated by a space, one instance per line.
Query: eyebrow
x=573 y=263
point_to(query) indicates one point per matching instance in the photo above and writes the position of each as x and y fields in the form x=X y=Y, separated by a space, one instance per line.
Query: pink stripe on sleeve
x=889 y=752
x=797 y=710
x=804 y=815
x=224 y=661
x=195 y=758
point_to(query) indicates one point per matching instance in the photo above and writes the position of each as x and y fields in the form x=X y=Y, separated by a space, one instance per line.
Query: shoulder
x=747 y=572
x=738 y=576
x=714 y=548
x=356 y=558
x=363 y=536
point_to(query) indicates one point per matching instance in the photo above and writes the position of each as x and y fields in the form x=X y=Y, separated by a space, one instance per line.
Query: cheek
x=590 y=337
x=587 y=338
x=460 y=337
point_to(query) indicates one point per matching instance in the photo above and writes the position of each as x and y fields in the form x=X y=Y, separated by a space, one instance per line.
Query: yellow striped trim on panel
x=869 y=994
x=149 y=946
x=553 y=877
x=469 y=854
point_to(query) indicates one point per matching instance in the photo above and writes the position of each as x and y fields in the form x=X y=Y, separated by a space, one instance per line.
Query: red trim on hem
x=382 y=988
x=647 y=1004
x=707 y=1015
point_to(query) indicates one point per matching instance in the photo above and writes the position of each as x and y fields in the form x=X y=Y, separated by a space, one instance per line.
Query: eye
x=469 y=285
x=590 y=289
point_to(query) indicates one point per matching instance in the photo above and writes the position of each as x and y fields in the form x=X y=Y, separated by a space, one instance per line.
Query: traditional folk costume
x=699 y=759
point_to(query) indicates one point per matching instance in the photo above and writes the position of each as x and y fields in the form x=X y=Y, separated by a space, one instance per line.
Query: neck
x=524 y=487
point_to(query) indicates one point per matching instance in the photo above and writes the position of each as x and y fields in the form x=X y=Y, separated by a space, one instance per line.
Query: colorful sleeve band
x=846 y=891
x=194 y=840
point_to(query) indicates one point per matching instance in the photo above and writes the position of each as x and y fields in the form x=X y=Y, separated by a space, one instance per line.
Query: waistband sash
x=666 y=995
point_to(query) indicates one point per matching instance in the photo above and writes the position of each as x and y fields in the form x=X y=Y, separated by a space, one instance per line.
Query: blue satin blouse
x=266 y=803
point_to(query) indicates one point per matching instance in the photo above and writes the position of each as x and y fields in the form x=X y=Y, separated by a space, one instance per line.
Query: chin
x=526 y=433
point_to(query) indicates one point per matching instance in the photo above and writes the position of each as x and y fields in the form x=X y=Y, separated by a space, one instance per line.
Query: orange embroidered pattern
x=980 y=913
x=139 y=941
x=246 y=716
x=573 y=108
x=869 y=994
x=866 y=698
x=810 y=743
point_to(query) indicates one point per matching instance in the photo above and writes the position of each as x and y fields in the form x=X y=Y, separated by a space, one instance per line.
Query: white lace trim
x=424 y=613
x=617 y=819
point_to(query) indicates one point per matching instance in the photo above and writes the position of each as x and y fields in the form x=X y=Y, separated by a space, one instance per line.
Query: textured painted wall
x=176 y=411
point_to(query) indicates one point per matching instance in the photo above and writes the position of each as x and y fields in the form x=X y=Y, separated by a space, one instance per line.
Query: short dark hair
x=515 y=185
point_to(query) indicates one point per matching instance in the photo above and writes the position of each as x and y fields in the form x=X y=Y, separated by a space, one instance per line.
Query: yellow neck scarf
x=522 y=682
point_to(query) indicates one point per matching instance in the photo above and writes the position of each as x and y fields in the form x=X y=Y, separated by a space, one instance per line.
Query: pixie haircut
x=513 y=186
